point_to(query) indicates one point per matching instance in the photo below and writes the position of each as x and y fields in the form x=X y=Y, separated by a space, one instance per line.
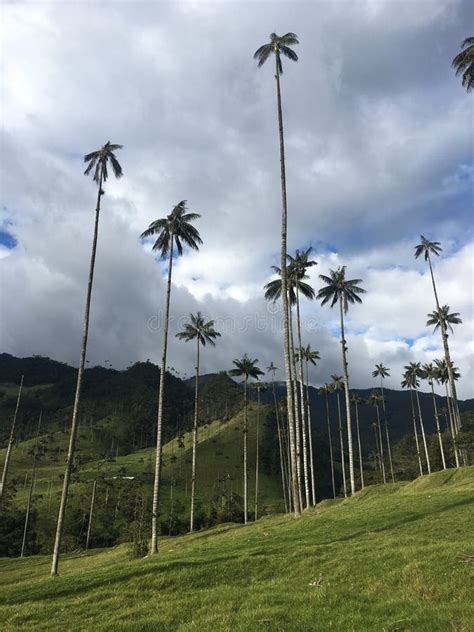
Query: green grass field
x=393 y=558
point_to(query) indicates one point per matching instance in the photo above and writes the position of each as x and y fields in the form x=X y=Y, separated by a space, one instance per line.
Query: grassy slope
x=391 y=558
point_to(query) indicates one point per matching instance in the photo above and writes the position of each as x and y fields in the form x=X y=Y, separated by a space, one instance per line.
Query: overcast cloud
x=379 y=149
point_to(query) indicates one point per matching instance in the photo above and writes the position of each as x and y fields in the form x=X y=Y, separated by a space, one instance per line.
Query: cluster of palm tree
x=176 y=231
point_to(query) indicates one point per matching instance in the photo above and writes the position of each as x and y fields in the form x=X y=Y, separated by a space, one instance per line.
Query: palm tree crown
x=309 y=355
x=98 y=160
x=246 y=367
x=381 y=370
x=294 y=275
x=356 y=398
x=442 y=371
x=176 y=225
x=279 y=45
x=443 y=314
x=375 y=399
x=200 y=329
x=427 y=247
x=327 y=389
x=339 y=288
x=337 y=383
x=464 y=63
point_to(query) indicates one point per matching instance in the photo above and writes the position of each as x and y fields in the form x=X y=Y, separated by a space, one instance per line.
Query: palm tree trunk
x=30 y=493
x=310 y=438
x=77 y=397
x=195 y=434
x=330 y=444
x=257 y=455
x=348 y=403
x=280 y=445
x=423 y=432
x=444 y=336
x=284 y=296
x=451 y=427
x=341 y=441
x=159 y=423
x=307 y=490
x=416 y=432
x=359 y=446
x=379 y=428
x=389 y=449
x=296 y=410
x=377 y=447
x=11 y=440
x=245 y=453
x=91 y=514
x=438 y=430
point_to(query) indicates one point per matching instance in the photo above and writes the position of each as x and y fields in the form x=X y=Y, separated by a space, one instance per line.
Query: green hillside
x=394 y=557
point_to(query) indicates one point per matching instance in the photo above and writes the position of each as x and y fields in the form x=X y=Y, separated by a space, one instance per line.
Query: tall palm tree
x=174 y=230
x=338 y=385
x=443 y=377
x=260 y=388
x=414 y=369
x=11 y=440
x=310 y=357
x=431 y=374
x=356 y=399
x=246 y=368
x=273 y=291
x=383 y=372
x=326 y=390
x=464 y=63
x=97 y=163
x=449 y=318
x=271 y=368
x=375 y=399
x=278 y=46
x=428 y=248
x=202 y=332
x=408 y=382
x=345 y=291
x=30 y=493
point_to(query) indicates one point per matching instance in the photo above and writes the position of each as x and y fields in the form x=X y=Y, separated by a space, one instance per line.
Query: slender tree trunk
x=30 y=493
x=348 y=403
x=77 y=398
x=303 y=407
x=280 y=445
x=379 y=428
x=195 y=437
x=310 y=438
x=341 y=441
x=296 y=409
x=330 y=443
x=91 y=515
x=423 y=432
x=11 y=440
x=438 y=429
x=159 y=423
x=416 y=433
x=359 y=446
x=257 y=455
x=377 y=447
x=451 y=427
x=389 y=449
x=284 y=296
x=245 y=453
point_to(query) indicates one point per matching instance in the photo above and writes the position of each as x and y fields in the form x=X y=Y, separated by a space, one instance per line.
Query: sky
x=379 y=149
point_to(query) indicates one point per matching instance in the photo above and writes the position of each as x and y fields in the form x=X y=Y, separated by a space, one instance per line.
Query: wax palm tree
x=375 y=399
x=281 y=46
x=414 y=368
x=271 y=368
x=98 y=163
x=383 y=372
x=409 y=380
x=431 y=374
x=338 y=385
x=11 y=440
x=175 y=230
x=356 y=399
x=32 y=484
x=326 y=390
x=202 y=332
x=427 y=248
x=343 y=291
x=246 y=368
x=464 y=63
x=309 y=356
x=443 y=377
x=449 y=318
x=260 y=388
